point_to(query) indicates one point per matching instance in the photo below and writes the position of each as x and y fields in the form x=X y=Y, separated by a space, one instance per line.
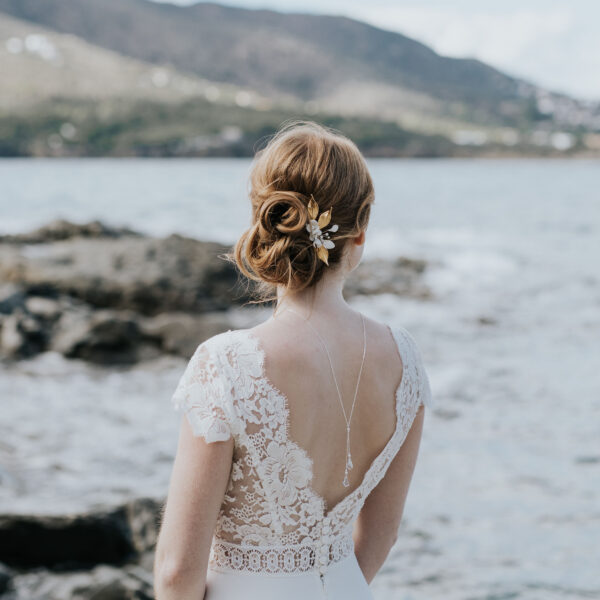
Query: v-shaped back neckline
x=398 y=395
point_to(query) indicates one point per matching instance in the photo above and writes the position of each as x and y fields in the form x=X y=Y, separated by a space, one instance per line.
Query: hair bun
x=277 y=248
x=282 y=212
x=301 y=158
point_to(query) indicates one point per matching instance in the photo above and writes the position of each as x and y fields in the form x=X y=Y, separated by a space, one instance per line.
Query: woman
x=302 y=433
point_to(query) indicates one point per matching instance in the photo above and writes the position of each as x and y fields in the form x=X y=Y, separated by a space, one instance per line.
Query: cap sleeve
x=424 y=394
x=203 y=397
x=415 y=371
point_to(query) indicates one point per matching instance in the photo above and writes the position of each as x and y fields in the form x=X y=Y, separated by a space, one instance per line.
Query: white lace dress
x=275 y=538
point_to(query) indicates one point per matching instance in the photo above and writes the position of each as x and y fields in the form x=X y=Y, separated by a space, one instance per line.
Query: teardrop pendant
x=346 y=483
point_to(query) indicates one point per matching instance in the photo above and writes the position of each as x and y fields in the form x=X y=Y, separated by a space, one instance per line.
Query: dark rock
x=65 y=542
x=60 y=229
x=80 y=541
x=447 y=414
x=104 y=337
x=484 y=320
x=587 y=460
x=22 y=335
x=11 y=297
x=5 y=578
x=180 y=333
x=143 y=518
x=104 y=582
x=124 y=337
x=148 y=275
x=401 y=276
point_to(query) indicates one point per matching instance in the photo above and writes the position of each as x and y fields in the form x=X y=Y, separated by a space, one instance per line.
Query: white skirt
x=343 y=580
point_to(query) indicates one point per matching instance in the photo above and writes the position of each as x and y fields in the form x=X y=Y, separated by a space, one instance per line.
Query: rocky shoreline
x=116 y=297
x=105 y=554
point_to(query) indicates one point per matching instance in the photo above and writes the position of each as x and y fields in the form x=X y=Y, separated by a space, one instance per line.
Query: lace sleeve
x=424 y=387
x=203 y=398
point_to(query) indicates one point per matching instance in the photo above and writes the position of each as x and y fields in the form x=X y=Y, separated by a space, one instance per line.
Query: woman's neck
x=326 y=298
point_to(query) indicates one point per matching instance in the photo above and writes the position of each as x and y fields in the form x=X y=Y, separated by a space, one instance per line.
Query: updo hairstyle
x=302 y=158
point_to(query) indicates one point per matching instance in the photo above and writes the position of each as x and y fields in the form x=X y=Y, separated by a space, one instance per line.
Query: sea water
x=505 y=500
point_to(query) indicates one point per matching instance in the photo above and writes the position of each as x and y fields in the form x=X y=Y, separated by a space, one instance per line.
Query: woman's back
x=297 y=364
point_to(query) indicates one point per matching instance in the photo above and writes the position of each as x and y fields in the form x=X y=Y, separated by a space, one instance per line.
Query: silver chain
x=349 y=464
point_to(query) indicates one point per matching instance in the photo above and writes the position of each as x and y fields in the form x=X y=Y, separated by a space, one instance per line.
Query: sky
x=553 y=43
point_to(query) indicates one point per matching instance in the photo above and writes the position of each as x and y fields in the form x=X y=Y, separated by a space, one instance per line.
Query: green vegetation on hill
x=192 y=128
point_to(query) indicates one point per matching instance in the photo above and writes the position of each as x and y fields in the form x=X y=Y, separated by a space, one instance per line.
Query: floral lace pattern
x=271 y=520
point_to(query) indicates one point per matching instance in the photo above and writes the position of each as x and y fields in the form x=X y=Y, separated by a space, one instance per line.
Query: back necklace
x=349 y=465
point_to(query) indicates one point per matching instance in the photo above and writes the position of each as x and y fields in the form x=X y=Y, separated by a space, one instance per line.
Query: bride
x=302 y=433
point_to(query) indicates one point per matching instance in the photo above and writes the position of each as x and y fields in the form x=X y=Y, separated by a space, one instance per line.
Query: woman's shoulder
x=231 y=348
x=222 y=341
x=388 y=337
x=409 y=348
x=400 y=334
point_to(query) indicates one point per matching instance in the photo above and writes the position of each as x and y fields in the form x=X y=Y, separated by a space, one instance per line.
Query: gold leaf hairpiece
x=320 y=239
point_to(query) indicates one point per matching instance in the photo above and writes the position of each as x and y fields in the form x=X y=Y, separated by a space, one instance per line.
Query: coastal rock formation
x=109 y=268
x=112 y=536
x=5 y=578
x=401 y=276
x=103 y=336
x=115 y=544
x=115 y=296
x=103 y=582
x=179 y=333
x=60 y=229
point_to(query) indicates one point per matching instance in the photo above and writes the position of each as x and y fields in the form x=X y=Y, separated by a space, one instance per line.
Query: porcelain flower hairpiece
x=318 y=237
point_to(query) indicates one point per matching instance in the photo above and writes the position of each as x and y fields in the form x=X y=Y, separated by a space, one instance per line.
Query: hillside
x=302 y=54
x=39 y=63
x=275 y=65
x=63 y=96
x=335 y=61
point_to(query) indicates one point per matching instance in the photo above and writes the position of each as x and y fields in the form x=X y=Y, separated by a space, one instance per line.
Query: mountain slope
x=63 y=96
x=38 y=63
x=308 y=56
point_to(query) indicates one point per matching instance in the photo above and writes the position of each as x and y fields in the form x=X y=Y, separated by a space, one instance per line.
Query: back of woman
x=302 y=433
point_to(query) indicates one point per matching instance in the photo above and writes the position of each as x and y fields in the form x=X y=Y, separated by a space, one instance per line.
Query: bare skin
x=297 y=364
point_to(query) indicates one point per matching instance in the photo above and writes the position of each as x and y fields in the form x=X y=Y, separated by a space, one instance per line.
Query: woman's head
x=303 y=160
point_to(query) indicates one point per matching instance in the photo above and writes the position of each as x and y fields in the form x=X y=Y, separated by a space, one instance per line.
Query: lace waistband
x=279 y=559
